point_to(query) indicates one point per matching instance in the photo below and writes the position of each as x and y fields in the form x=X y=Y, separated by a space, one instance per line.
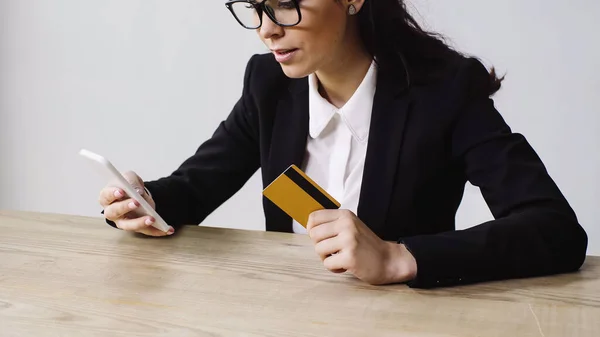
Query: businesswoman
x=393 y=123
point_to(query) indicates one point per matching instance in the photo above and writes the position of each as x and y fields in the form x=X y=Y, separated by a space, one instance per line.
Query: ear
x=356 y=3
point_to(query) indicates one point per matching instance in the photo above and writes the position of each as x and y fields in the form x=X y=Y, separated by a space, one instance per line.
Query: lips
x=284 y=51
x=284 y=55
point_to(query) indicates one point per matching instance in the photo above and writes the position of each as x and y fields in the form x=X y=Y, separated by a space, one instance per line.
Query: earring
x=351 y=10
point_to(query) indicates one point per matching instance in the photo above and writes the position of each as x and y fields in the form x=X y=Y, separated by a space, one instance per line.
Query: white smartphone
x=116 y=179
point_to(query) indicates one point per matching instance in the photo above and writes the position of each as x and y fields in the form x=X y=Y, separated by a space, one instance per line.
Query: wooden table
x=76 y=276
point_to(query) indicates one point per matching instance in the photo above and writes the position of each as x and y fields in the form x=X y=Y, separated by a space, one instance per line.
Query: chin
x=295 y=70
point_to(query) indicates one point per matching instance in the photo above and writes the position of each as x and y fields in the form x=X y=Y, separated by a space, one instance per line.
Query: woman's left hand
x=345 y=243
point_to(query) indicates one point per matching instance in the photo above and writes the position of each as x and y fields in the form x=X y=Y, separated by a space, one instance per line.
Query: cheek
x=325 y=35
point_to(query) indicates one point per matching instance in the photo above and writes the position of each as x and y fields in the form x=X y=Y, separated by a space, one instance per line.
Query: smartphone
x=115 y=178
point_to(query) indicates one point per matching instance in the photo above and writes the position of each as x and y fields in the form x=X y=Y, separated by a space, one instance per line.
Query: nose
x=269 y=29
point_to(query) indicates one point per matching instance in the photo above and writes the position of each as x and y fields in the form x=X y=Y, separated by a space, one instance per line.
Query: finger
x=320 y=217
x=335 y=263
x=328 y=247
x=119 y=209
x=323 y=232
x=108 y=195
x=143 y=225
x=151 y=231
x=136 y=224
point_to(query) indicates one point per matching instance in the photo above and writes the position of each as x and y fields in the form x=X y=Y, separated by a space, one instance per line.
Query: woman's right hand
x=121 y=209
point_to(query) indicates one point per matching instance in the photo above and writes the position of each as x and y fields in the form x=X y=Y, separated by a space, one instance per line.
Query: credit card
x=298 y=195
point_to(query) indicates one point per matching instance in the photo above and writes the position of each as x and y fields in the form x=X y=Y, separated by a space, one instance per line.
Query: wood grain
x=76 y=276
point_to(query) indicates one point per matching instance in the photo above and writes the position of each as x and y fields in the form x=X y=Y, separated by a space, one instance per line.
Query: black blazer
x=426 y=141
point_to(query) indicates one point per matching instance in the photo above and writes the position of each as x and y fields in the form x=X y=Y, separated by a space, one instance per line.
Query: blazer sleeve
x=534 y=232
x=217 y=170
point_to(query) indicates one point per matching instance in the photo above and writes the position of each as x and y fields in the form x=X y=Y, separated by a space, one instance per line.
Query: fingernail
x=149 y=221
x=118 y=194
x=132 y=205
x=170 y=231
x=139 y=190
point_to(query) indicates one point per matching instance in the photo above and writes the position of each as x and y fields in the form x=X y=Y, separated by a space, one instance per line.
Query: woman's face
x=319 y=41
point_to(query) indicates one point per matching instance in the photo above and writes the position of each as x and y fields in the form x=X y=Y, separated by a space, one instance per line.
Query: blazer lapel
x=288 y=143
x=390 y=110
x=288 y=146
x=290 y=129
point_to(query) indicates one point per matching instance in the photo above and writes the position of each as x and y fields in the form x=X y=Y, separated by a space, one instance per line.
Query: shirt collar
x=356 y=113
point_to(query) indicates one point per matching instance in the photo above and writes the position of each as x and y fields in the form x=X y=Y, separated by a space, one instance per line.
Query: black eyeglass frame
x=260 y=7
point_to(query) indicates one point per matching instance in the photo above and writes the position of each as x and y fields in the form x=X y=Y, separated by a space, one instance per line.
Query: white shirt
x=337 y=142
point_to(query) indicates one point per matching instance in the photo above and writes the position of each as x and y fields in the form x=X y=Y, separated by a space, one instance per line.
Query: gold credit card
x=298 y=195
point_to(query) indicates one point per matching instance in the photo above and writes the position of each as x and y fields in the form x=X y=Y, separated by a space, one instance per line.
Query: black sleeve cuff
x=442 y=261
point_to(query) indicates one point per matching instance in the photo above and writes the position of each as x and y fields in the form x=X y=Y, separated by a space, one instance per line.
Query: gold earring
x=351 y=10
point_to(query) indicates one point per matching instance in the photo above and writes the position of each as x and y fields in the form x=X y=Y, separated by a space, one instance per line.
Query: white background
x=145 y=82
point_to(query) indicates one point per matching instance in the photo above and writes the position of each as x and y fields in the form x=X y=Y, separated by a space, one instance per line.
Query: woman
x=393 y=123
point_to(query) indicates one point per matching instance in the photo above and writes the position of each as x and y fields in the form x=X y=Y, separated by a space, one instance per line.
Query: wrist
x=401 y=265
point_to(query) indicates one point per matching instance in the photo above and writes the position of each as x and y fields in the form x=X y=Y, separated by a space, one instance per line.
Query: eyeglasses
x=249 y=13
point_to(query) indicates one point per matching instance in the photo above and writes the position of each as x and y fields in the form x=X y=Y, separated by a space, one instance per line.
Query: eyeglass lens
x=283 y=12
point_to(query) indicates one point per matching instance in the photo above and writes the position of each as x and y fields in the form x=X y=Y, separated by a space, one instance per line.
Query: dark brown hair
x=394 y=38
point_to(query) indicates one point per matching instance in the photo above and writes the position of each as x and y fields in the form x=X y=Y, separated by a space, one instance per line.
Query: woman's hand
x=122 y=210
x=345 y=243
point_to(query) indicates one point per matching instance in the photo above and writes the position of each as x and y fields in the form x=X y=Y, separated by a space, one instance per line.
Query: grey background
x=141 y=82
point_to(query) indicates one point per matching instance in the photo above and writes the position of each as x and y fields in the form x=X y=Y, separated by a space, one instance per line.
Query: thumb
x=138 y=185
x=135 y=181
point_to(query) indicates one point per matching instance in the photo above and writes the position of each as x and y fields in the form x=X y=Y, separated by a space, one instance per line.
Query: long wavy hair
x=393 y=37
